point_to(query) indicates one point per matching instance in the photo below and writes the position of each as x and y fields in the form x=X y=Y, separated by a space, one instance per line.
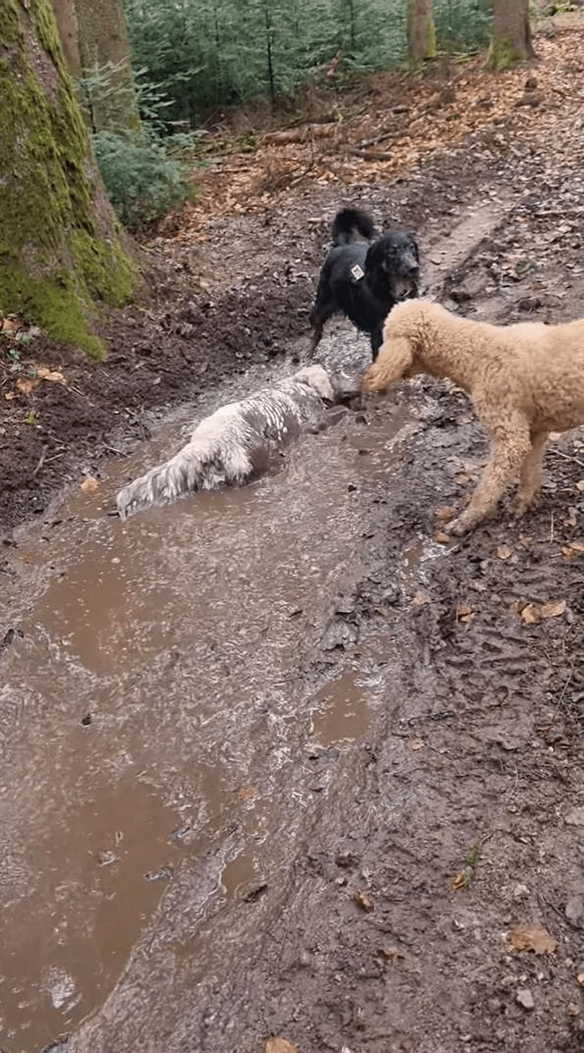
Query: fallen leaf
x=391 y=954
x=417 y=744
x=280 y=1045
x=553 y=610
x=26 y=387
x=445 y=513
x=504 y=551
x=529 y=614
x=10 y=325
x=9 y=395
x=460 y=880
x=533 y=613
x=573 y=549
x=464 y=613
x=364 y=901
x=90 y=485
x=580 y=485
x=442 y=537
x=50 y=374
x=532 y=938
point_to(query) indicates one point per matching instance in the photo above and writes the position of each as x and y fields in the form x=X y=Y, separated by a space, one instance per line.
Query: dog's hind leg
x=511 y=445
x=531 y=473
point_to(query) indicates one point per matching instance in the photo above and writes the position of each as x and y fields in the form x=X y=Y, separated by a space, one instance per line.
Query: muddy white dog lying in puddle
x=235 y=442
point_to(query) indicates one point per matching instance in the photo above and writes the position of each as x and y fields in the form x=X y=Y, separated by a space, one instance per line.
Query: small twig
x=568 y=457
x=552 y=526
x=41 y=461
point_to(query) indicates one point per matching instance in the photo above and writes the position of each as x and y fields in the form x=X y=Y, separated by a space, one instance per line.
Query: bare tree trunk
x=66 y=16
x=421 y=31
x=103 y=41
x=60 y=246
x=511 y=37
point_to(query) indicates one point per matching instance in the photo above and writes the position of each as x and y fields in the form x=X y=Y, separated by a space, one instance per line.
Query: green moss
x=59 y=255
x=431 y=50
x=503 y=54
x=57 y=301
x=108 y=272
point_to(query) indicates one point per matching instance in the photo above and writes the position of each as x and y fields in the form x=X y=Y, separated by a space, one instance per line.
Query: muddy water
x=154 y=705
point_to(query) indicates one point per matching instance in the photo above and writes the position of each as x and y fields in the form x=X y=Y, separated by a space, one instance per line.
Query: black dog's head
x=393 y=266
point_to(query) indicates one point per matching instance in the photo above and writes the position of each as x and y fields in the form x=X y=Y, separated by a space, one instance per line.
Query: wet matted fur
x=525 y=381
x=364 y=276
x=234 y=443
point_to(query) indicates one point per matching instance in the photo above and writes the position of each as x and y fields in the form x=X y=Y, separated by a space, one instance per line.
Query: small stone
x=524 y=998
x=520 y=892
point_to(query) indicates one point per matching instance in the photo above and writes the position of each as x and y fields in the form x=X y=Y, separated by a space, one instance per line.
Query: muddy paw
x=457 y=527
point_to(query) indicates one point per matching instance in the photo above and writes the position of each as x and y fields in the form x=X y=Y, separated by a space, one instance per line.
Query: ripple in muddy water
x=345 y=716
x=93 y=866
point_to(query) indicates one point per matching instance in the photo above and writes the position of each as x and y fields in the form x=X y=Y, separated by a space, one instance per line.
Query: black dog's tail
x=350 y=224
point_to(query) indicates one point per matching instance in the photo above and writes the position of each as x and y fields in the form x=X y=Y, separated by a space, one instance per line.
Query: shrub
x=143 y=181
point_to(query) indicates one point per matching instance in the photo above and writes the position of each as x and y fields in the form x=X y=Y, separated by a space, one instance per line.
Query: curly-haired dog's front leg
x=531 y=473
x=511 y=445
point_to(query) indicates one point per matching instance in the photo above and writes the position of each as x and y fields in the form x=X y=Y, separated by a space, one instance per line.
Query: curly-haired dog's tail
x=351 y=224
x=192 y=468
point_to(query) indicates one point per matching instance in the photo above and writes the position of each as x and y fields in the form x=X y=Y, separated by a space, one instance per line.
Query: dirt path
x=284 y=765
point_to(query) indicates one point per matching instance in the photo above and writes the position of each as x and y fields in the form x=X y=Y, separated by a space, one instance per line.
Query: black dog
x=363 y=276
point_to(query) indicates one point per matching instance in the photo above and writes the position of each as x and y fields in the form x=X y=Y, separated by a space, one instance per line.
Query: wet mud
x=274 y=762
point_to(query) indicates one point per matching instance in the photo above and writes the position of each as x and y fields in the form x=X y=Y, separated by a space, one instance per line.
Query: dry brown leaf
x=50 y=374
x=532 y=938
x=445 y=513
x=26 y=387
x=391 y=954
x=280 y=1045
x=529 y=614
x=459 y=881
x=10 y=325
x=553 y=610
x=464 y=613
x=441 y=537
x=533 y=613
x=9 y=395
x=364 y=901
x=90 y=485
x=573 y=549
x=504 y=551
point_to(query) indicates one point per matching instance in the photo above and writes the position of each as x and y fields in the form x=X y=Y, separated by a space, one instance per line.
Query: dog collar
x=357 y=273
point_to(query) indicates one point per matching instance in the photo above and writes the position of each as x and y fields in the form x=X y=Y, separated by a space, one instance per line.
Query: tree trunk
x=103 y=41
x=511 y=37
x=66 y=16
x=60 y=248
x=421 y=31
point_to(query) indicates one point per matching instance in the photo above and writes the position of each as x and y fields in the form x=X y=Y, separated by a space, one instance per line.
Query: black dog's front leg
x=376 y=342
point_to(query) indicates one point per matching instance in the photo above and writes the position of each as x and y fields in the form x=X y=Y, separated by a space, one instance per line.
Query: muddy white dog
x=235 y=442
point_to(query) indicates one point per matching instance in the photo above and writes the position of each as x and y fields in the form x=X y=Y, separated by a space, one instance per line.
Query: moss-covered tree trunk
x=103 y=41
x=66 y=16
x=421 y=31
x=60 y=247
x=511 y=36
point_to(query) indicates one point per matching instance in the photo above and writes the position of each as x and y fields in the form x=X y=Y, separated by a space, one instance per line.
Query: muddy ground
x=284 y=765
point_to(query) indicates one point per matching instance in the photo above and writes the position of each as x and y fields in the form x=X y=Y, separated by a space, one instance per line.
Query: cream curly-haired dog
x=524 y=380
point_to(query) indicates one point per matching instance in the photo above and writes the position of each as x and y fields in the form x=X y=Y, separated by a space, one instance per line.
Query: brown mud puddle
x=154 y=703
